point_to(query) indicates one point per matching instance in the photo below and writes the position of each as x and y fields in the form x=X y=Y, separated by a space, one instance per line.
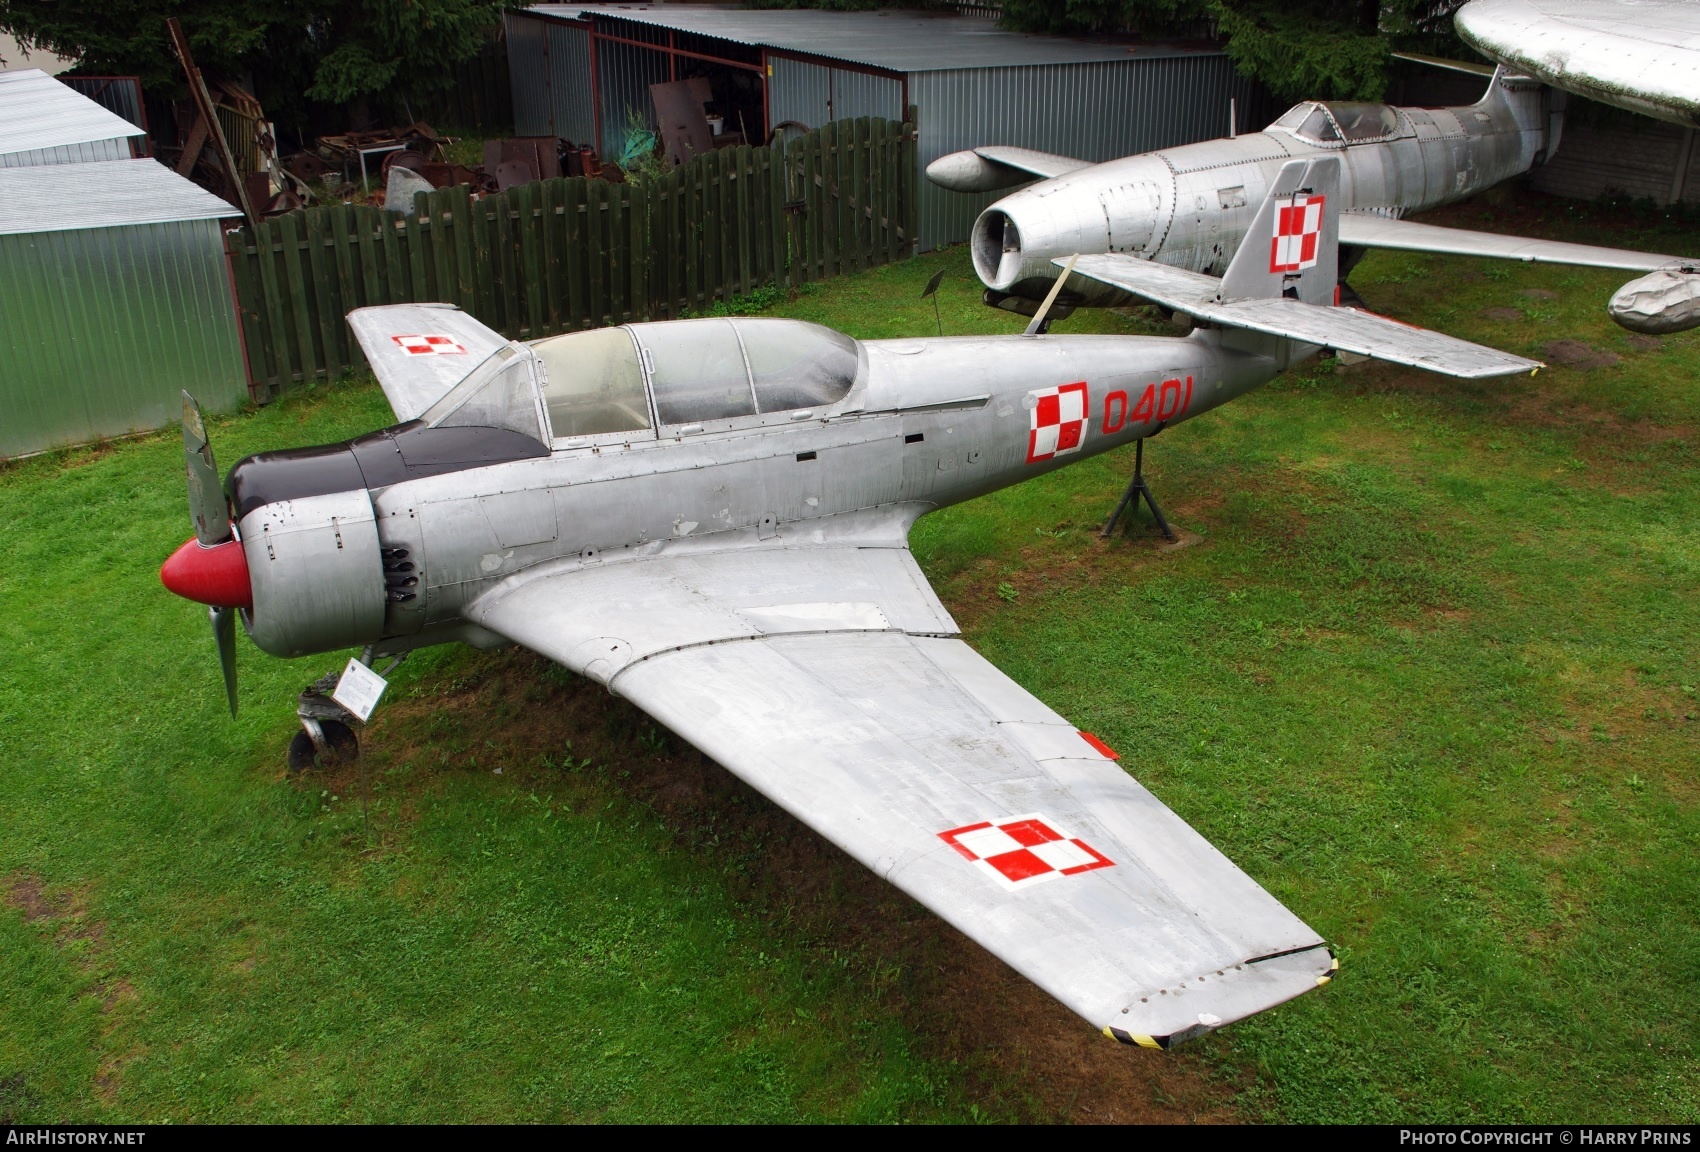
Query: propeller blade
x=223 y=622
x=207 y=507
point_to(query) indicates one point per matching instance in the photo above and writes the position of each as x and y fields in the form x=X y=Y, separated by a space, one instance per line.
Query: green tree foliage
x=330 y=51
x=1326 y=49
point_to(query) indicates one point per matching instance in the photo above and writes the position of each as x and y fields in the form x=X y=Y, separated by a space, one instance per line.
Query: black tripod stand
x=1137 y=488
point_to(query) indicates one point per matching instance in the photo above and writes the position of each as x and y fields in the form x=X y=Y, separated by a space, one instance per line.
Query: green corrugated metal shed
x=114 y=295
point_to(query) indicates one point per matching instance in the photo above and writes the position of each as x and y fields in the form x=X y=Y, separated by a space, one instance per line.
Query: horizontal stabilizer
x=419 y=352
x=1379 y=232
x=1343 y=329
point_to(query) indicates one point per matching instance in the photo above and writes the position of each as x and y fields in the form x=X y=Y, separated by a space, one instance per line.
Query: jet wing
x=826 y=674
x=1042 y=164
x=1643 y=55
x=1344 y=329
x=1379 y=232
x=421 y=351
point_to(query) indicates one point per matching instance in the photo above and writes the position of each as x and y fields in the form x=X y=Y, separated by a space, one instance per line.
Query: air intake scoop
x=217 y=575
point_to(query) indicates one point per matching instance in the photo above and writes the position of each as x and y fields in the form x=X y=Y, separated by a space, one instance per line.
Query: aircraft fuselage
x=1190 y=206
x=931 y=422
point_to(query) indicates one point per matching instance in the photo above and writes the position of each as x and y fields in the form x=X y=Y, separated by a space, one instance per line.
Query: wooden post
x=204 y=106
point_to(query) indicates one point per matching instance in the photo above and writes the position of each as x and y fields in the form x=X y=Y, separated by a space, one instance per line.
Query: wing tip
x=1207 y=1022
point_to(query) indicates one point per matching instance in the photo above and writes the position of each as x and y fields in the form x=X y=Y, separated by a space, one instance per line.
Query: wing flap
x=681 y=594
x=1345 y=329
x=1380 y=232
x=419 y=352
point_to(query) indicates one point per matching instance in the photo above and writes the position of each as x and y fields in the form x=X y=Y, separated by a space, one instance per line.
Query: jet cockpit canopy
x=1340 y=122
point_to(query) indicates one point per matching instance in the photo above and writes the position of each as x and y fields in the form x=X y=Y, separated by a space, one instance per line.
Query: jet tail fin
x=1292 y=248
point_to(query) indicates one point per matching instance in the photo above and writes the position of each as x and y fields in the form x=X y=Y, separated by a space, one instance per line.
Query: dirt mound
x=1576 y=354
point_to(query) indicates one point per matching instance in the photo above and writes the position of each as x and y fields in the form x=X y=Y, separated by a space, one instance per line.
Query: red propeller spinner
x=216 y=575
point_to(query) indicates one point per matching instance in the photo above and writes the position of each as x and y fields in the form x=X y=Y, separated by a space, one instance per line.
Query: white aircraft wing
x=825 y=673
x=1379 y=232
x=419 y=352
x=1042 y=164
x=1344 y=329
x=1643 y=55
x=997 y=166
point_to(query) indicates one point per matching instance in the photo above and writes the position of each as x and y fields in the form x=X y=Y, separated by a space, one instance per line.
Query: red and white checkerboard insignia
x=1020 y=851
x=1298 y=232
x=1057 y=425
x=429 y=346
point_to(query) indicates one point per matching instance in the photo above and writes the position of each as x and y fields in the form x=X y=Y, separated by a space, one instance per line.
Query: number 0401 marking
x=1163 y=401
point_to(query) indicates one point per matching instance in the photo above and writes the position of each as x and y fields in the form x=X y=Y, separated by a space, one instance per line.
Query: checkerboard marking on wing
x=1298 y=233
x=1056 y=425
x=1020 y=851
x=428 y=346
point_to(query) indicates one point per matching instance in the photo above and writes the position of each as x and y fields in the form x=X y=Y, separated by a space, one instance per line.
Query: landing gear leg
x=1137 y=489
x=327 y=737
x=327 y=728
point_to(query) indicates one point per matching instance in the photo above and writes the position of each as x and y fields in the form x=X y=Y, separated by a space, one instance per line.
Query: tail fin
x=1292 y=248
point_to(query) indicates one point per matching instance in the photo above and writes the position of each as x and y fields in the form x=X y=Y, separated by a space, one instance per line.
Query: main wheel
x=344 y=746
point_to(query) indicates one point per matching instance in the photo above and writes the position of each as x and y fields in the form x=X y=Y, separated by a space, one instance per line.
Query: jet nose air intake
x=997 y=249
x=216 y=575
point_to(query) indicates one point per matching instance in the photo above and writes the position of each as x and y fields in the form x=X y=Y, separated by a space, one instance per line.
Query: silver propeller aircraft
x=1189 y=207
x=710 y=517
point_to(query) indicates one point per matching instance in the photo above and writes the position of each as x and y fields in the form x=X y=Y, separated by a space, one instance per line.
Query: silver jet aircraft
x=1189 y=207
x=710 y=517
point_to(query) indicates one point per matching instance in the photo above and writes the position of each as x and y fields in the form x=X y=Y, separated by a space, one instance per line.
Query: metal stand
x=1137 y=488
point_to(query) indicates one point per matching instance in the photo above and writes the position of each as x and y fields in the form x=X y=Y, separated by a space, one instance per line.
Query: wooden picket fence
x=568 y=254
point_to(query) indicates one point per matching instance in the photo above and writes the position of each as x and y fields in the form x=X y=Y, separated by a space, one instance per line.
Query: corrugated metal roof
x=37 y=111
x=903 y=41
x=107 y=194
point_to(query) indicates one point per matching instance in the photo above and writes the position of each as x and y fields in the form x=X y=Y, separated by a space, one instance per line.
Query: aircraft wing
x=1344 y=329
x=420 y=351
x=993 y=167
x=1042 y=164
x=1379 y=232
x=824 y=672
x=1643 y=55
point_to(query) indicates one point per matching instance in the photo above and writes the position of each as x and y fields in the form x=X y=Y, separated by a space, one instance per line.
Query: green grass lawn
x=1429 y=676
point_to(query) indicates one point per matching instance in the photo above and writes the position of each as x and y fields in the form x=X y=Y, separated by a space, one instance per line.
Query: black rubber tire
x=344 y=743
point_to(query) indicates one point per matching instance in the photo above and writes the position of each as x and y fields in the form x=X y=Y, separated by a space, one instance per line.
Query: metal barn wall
x=812 y=94
x=528 y=73
x=569 y=84
x=1609 y=152
x=624 y=73
x=549 y=72
x=100 y=328
x=68 y=154
x=1093 y=111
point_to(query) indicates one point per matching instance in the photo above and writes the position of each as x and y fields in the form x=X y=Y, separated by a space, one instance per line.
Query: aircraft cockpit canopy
x=593 y=383
x=1337 y=121
x=727 y=369
x=699 y=372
